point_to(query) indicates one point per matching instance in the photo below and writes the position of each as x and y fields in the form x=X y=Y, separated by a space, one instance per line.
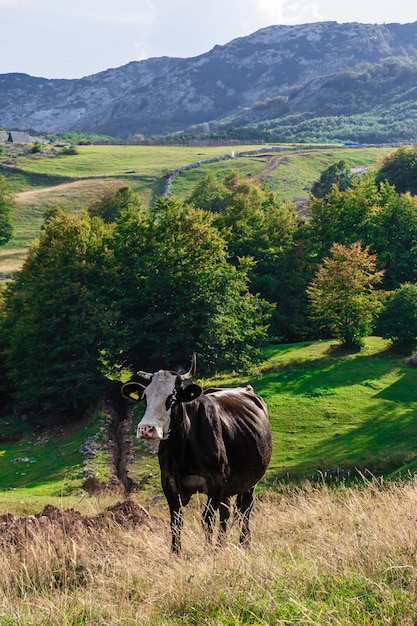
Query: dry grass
x=318 y=556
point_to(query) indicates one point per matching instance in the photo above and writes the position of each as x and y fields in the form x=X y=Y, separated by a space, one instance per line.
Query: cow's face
x=163 y=392
x=158 y=395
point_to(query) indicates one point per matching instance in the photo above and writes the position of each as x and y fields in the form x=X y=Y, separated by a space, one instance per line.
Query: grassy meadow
x=44 y=181
x=328 y=409
x=323 y=552
x=318 y=557
x=334 y=526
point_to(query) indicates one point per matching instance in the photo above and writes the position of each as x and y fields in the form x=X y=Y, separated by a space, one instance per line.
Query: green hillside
x=329 y=409
x=44 y=181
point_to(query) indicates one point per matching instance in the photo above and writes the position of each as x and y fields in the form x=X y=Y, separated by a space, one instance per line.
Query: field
x=71 y=181
x=330 y=411
x=334 y=531
x=326 y=550
x=318 y=557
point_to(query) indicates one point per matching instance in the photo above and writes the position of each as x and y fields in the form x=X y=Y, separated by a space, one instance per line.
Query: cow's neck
x=180 y=423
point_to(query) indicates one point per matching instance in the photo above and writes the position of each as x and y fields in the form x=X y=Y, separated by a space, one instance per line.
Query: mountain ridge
x=271 y=74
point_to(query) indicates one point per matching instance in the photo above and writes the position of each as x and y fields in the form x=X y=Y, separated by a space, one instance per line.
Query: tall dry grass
x=318 y=556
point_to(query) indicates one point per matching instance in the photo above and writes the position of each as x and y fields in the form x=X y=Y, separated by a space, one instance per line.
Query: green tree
x=4 y=382
x=393 y=236
x=178 y=293
x=56 y=318
x=338 y=174
x=398 y=318
x=113 y=202
x=257 y=224
x=6 y=206
x=400 y=169
x=209 y=194
x=342 y=297
x=36 y=148
x=343 y=216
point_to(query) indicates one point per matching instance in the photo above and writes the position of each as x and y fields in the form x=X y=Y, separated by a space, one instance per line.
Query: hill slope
x=308 y=71
x=330 y=411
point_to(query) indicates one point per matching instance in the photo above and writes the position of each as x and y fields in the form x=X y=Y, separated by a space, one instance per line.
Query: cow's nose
x=146 y=432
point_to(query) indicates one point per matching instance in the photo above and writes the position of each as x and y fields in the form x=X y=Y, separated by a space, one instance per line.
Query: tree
x=178 y=293
x=36 y=148
x=209 y=194
x=400 y=169
x=257 y=224
x=56 y=318
x=343 y=216
x=338 y=174
x=6 y=205
x=398 y=318
x=393 y=236
x=342 y=296
x=113 y=202
x=4 y=383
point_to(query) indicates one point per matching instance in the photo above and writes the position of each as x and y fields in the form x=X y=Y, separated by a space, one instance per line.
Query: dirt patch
x=87 y=188
x=52 y=520
x=272 y=161
x=130 y=515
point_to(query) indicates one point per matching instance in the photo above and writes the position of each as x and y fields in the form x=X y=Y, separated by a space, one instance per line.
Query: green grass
x=328 y=409
x=291 y=179
x=72 y=181
x=46 y=462
x=134 y=163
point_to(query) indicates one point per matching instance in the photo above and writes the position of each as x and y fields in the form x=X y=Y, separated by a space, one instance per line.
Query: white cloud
x=271 y=9
x=80 y=37
x=289 y=11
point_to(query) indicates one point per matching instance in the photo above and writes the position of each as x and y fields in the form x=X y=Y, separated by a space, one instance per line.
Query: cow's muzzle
x=147 y=432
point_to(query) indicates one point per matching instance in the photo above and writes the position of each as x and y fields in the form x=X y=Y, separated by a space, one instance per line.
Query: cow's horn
x=192 y=369
x=144 y=375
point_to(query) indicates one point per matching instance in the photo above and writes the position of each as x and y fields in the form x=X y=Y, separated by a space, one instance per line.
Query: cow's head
x=165 y=390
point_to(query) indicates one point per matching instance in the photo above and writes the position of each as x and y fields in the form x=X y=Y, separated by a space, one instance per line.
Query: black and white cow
x=216 y=441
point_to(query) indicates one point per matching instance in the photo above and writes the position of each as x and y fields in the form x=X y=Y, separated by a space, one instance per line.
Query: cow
x=217 y=442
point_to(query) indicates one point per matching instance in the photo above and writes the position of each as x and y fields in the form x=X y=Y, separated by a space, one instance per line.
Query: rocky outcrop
x=274 y=72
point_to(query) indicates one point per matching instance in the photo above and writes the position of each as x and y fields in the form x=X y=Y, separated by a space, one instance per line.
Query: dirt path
x=85 y=190
x=272 y=162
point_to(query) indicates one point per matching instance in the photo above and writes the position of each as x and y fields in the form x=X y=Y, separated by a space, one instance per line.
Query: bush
x=398 y=319
x=69 y=151
x=36 y=148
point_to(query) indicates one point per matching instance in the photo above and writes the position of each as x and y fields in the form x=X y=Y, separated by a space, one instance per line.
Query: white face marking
x=157 y=415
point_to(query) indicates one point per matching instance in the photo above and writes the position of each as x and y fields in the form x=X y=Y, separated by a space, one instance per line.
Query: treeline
x=397 y=124
x=120 y=286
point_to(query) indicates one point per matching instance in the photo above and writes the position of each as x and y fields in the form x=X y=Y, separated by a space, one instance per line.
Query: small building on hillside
x=16 y=136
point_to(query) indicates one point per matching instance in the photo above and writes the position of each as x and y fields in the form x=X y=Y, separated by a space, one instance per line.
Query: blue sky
x=75 y=38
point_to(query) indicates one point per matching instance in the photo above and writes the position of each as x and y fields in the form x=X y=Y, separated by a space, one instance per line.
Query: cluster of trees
x=6 y=206
x=376 y=125
x=231 y=267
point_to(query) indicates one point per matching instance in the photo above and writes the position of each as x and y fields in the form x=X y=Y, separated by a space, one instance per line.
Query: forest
x=223 y=272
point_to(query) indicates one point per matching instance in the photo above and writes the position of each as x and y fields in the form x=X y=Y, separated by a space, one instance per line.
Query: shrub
x=398 y=319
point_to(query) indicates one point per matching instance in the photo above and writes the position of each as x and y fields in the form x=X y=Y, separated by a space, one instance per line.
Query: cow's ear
x=133 y=391
x=189 y=393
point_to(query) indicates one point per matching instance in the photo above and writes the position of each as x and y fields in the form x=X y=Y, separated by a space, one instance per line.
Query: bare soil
x=52 y=520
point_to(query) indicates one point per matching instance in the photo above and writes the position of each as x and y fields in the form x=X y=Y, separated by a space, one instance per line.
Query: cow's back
x=231 y=426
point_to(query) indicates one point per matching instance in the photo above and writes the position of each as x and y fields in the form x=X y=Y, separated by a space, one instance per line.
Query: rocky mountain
x=271 y=81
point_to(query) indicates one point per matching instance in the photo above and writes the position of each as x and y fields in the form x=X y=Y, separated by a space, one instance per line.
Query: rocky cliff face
x=273 y=72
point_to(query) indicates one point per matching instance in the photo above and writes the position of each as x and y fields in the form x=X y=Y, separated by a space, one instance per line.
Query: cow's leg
x=176 y=526
x=244 y=504
x=224 y=510
x=209 y=516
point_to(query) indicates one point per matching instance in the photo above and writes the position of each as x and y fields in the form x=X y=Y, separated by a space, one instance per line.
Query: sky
x=76 y=38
